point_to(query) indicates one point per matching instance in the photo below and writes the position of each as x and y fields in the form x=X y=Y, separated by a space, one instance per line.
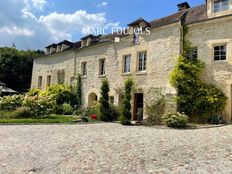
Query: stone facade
x=162 y=46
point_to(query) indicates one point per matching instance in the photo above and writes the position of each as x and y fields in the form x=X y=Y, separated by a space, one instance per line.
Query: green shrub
x=67 y=109
x=114 y=112
x=176 y=120
x=194 y=97
x=60 y=93
x=125 y=116
x=155 y=106
x=34 y=92
x=11 y=102
x=39 y=105
x=79 y=91
x=21 y=112
x=104 y=106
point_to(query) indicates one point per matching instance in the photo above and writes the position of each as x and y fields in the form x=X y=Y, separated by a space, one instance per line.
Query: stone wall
x=205 y=36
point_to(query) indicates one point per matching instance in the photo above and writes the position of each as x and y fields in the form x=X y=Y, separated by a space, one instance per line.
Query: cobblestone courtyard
x=112 y=148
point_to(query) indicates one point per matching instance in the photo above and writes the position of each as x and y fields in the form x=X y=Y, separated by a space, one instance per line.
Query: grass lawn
x=49 y=119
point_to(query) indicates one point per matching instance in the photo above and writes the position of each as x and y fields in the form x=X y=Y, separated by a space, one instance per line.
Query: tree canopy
x=16 y=67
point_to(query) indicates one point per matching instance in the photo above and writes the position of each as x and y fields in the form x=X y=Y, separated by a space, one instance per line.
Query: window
x=60 y=77
x=112 y=99
x=192 y=54
x=142 y=61
x=127 y=62
x=221 y=5
x=40 y=78
x=102 y=67
x=48 y=81
x=136 y=35
x=219 y=52
x=84 y=69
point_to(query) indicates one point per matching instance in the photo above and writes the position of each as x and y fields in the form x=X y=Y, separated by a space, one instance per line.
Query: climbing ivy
x=194 y=97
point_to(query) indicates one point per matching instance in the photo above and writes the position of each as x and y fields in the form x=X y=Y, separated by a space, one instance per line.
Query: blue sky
x=33 y=24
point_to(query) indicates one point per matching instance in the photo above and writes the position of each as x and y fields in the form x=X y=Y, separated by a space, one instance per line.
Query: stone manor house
x=149 y=59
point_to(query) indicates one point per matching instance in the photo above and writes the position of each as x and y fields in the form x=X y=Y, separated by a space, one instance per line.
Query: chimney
x=183 y=6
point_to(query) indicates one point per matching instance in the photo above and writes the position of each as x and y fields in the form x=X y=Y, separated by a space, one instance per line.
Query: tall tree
x=79 y=91
x=126 y=115
x=16 y=67
x=104 y=108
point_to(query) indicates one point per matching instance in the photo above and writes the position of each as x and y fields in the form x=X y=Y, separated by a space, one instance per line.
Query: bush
x=11 y=102
x=104 y=106
x=21 y=112
x=125 y=117
x=67 y=109
x=114 y=112
x=194 y=97
x=34 y=92
x=155 y=107
x=60 y=93
x=39 y=105
x=176 y=120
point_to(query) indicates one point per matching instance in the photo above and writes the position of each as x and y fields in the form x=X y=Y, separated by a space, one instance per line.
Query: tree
x=125 y=117
x=104 y=106
x=16 y=67
x=79 y=91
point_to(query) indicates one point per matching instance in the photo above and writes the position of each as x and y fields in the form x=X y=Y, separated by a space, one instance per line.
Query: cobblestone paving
x=112 y=148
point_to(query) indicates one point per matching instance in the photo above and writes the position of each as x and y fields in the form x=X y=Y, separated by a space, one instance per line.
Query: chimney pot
x=183 y=6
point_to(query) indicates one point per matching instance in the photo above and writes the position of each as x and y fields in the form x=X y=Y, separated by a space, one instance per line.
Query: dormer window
x=136 y=36
x=220 y=5
x=58 y=49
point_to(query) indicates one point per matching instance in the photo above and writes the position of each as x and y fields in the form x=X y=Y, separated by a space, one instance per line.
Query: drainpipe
x=181 y=37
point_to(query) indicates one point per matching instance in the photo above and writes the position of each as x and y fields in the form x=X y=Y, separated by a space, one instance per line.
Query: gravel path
x=112 y=148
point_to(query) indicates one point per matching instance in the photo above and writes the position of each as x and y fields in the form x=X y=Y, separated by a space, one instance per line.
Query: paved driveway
x=112 y=148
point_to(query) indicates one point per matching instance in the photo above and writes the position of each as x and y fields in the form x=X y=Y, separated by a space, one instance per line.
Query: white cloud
x=21 y=24
x=103 y=4
x=39 y=4
x=15 y=31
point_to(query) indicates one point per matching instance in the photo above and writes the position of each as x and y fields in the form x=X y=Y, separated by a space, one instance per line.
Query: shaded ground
x=112 y=148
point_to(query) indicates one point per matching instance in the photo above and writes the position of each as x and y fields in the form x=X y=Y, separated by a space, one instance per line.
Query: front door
x=138 y=103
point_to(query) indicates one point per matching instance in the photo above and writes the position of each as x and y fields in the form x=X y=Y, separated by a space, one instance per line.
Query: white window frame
x=84 y=69
x=220 y=52
x=221 y=6
x=102 y=67
x=127 y=64
x=193 y=53
x=142 y=61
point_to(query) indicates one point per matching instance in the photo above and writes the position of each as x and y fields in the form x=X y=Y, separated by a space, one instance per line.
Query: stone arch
x=92 y=99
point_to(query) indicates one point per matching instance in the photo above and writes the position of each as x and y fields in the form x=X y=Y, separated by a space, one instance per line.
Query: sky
x=34 y=24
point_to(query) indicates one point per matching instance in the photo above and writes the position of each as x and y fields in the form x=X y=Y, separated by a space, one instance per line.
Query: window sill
x=102 y=76
x=84 y=77
x=126 y=74
x=141 y=73
x=220 y=61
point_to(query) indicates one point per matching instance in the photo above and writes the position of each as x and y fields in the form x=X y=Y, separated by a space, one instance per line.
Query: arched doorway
x=92 y=99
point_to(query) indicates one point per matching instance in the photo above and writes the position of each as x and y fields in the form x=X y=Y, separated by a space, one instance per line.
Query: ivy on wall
x=194 y=97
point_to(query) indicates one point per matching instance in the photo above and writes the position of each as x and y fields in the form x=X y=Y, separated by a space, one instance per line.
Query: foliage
x=176 y=120
x=67 y=109
x=60 y=93
x=39 y=105
x=104 y=106
x=34 y=92
x=195 y=97
x=79 y=91
x=125 y=117
x=11 y=102
x=22 y=112
x=114 y=112
x=155 y=106
x=16 y=67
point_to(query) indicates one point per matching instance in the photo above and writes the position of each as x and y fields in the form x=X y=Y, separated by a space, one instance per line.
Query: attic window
x=221 y=5
x=136 y=36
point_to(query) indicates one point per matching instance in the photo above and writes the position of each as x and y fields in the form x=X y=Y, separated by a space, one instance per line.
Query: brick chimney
x=183 y=6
